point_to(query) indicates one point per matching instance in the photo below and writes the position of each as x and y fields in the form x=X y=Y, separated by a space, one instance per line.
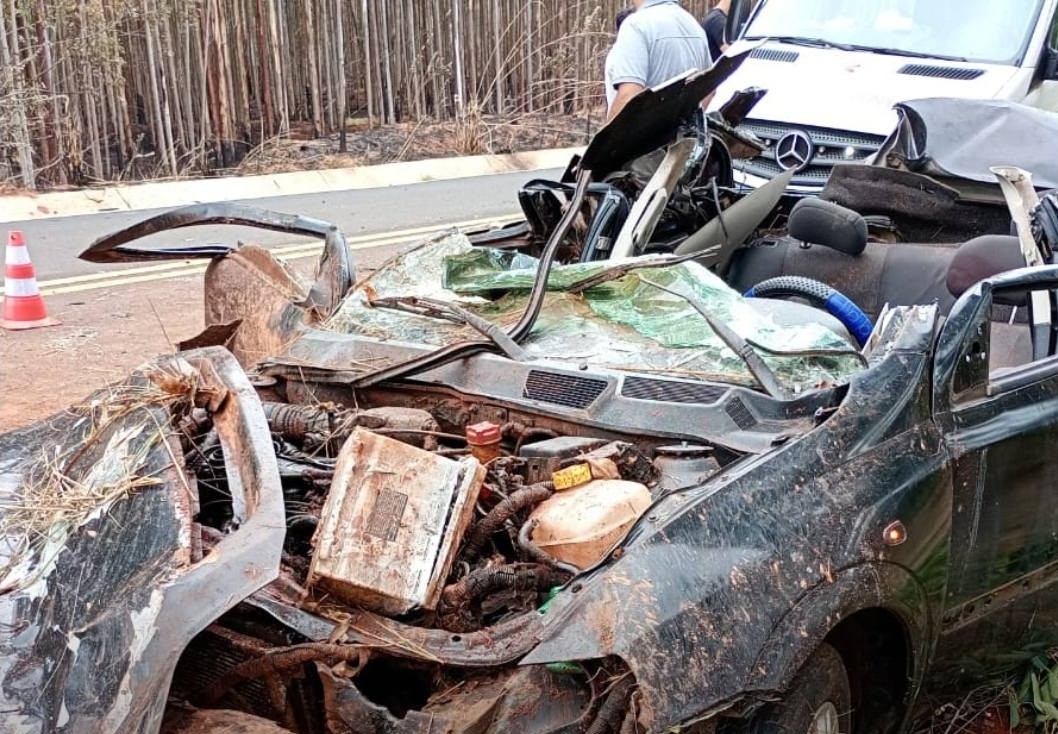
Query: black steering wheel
x=821 y=296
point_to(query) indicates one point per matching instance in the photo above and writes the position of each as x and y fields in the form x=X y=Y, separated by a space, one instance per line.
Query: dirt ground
x=475 y=135
x=103 y=336
x=417 y=141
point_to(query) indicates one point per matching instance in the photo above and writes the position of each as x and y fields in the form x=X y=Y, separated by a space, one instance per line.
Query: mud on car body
x=488 y=490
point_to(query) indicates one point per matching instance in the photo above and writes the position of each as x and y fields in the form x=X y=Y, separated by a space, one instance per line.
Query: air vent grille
x=941 y=72
x=671 y=391
x=775 y=54
x=739 y=413
x=567 y=390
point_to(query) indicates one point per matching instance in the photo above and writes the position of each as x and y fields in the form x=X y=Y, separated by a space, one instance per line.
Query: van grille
x=941 y=72
x=830 y=146
x=775 y=54
x=556 y=388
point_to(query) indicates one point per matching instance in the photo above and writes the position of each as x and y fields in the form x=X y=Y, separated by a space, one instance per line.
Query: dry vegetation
x=101 y=463
x=102 y=90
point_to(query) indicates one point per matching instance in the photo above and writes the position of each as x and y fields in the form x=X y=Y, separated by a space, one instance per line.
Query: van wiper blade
x=800 y=41
x=905 y=52
x=823 y=43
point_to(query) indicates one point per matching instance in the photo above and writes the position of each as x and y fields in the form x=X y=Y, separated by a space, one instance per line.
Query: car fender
x=101 y=659
x=806 y=626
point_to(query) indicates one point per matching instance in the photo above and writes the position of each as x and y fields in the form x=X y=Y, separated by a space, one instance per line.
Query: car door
x=998 y=410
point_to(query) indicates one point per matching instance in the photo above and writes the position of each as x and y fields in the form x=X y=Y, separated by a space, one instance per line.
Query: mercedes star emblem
x=794 y=151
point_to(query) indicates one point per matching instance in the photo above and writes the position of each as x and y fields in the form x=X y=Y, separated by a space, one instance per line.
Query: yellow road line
x=184 y=268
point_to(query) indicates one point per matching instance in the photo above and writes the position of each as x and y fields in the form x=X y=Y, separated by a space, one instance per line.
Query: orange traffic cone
x=23 y=304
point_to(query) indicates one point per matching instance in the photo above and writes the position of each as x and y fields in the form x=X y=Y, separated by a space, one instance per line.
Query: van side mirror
x=737 y=16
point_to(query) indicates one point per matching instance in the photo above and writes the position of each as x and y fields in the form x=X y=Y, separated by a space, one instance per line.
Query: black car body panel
x=94 y=629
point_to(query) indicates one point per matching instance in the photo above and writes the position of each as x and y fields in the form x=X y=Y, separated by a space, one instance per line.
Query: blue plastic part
x=850 y=315
x=751 y=293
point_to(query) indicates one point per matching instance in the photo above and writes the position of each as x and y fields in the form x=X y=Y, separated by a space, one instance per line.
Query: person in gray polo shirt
x=659 y=41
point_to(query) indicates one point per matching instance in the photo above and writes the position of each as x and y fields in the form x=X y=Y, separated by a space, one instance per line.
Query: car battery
x=392 y=523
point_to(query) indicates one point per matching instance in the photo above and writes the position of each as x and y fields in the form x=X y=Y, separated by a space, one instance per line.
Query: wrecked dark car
x=492 y=489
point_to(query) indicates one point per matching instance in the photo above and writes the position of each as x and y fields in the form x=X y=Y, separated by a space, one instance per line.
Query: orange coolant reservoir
x=581 y=525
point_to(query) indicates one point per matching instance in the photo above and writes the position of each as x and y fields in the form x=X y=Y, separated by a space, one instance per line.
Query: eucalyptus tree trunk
x=111 y=89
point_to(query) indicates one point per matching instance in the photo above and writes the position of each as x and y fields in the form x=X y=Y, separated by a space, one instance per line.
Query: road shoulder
x=28 y=207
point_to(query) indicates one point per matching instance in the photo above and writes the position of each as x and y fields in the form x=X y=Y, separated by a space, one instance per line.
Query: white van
x=835 y=68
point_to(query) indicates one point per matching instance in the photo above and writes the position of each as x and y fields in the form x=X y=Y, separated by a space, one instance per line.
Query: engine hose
x=483 y=582
x=516 y=503
x=612 y=712
x=538 y=554
x=279 y=661
x=311 y=423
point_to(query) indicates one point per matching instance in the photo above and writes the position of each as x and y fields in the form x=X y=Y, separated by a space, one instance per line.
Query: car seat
x=829 y=243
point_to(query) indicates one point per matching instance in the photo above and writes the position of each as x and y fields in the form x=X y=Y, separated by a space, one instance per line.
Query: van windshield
x=987 y=31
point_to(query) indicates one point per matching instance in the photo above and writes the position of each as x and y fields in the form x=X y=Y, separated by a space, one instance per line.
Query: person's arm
x=625 y=92
x=631 y=66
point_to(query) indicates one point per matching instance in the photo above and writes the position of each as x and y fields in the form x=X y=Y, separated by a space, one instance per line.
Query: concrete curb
x=180 y=193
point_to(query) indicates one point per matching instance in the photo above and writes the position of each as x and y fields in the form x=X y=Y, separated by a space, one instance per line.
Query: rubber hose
x=483 y=582
x=516 y=503
x=539 y=555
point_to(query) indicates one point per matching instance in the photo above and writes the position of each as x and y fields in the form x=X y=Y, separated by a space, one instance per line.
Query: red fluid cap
x=483 y=434
x=15 y=238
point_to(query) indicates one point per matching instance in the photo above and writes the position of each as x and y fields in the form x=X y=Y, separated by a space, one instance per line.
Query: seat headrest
x=831 y=225
x=982 y=258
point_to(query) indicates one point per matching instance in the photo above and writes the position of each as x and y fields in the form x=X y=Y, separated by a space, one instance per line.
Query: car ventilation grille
x=738 y=412
x=559 y=389
x=941 y=72
x=775 y=54
x=670 y=391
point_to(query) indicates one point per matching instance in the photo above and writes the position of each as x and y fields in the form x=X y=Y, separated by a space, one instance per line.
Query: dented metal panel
x=89 y=644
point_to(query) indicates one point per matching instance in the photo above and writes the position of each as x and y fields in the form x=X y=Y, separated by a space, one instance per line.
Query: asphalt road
x=55 y=243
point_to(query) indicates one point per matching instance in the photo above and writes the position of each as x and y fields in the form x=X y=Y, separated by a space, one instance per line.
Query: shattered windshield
x=623 y=324
x=975 y=30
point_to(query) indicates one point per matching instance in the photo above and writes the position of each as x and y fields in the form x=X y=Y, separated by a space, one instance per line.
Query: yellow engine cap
x=572 y=476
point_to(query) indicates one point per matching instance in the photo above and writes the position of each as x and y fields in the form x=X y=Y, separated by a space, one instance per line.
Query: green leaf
x=1025 y=689
x=1052 y=685
x=1037 y=700
x=1015 y=710
x=1049 y=711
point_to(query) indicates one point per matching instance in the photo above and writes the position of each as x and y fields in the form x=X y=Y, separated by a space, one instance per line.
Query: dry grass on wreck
x=111 y=435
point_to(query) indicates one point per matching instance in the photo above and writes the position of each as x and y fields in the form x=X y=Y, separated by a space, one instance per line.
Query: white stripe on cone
x=18 y=255
x=21 y=287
